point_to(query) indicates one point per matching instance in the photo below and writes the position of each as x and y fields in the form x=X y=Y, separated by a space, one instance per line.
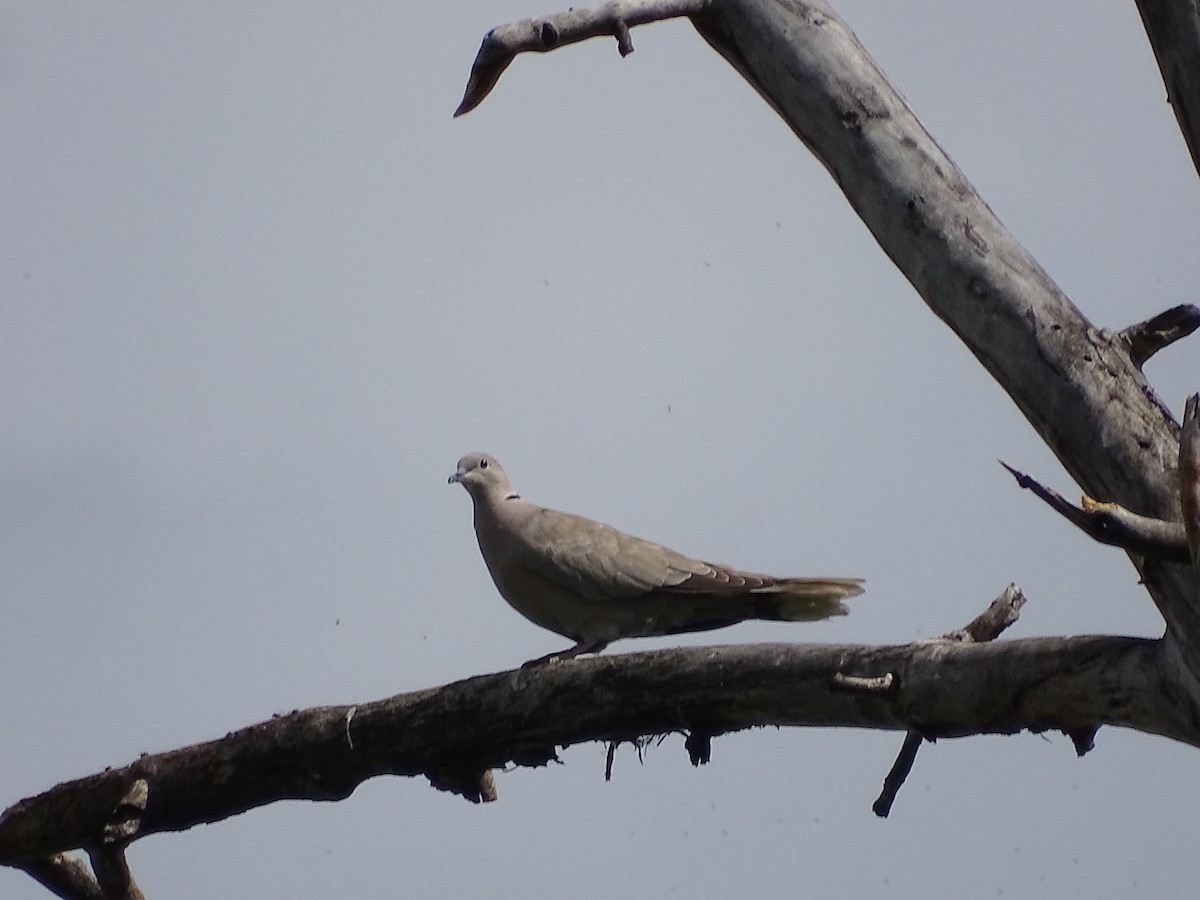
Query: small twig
x=1189 y=477
x=1084 y=739
x=639 y=744
x=1055 y=500
x=987 y=626
x=1145 y=339
x=898 y=774
x=866 y=684
x=502 y=44
x=1111 y=524
x=992 y=622
x=624 y=39
x=699 y=747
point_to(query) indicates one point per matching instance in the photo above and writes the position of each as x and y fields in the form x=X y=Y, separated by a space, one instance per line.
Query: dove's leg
x=570 y=653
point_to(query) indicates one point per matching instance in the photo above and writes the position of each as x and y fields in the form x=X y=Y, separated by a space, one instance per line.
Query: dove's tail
x=805 y=599
x=741 y=596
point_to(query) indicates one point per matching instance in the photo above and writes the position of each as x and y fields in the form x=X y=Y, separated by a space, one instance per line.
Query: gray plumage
x=594 y=584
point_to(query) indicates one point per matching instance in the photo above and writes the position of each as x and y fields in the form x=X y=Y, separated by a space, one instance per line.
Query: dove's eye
x=483 y=464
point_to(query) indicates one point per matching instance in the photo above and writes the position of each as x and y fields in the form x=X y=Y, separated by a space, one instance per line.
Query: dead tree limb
x=1145 y=339
x=1001 y=614
x=942 y=689
x=1173 y=27
x=542 y=34
x=1080 y=387
x=66 y=876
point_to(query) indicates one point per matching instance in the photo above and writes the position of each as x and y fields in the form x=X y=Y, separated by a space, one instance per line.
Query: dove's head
x=481 y=475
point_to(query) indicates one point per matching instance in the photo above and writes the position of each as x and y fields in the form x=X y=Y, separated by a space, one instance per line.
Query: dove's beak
x=456 y=478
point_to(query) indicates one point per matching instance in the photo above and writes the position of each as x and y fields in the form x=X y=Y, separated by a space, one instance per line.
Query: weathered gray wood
x=1173 y=27
x=1076 y=384
x=942 y=689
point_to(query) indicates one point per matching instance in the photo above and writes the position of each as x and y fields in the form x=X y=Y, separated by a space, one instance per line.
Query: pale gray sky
x=260 y=292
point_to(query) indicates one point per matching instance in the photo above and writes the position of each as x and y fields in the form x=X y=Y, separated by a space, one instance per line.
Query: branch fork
x=987 y=626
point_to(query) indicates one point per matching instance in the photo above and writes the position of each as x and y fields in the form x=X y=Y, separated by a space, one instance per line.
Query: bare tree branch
x=1080 y=387
x=1173 y=27
x=944 y=689
x=1112 y=524
x=540 y=35
x=69 y=877
x=1001 y=614
x=1076 y=384
x=66 y=876
x=112 y=872
x=1145 y=339
x=898 y=774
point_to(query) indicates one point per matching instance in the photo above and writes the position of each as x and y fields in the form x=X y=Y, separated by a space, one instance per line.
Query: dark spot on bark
x=549 y=35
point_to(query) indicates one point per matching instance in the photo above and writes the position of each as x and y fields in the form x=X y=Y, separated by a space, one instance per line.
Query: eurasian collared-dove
x=594 y=584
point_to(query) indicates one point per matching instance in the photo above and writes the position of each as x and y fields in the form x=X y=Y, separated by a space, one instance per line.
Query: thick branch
x=1079 y=390
x=1077 y=386
x=944 y=688
x=1173 y=27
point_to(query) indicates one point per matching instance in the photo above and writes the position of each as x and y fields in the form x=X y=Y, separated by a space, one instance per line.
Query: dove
x=594 y=584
